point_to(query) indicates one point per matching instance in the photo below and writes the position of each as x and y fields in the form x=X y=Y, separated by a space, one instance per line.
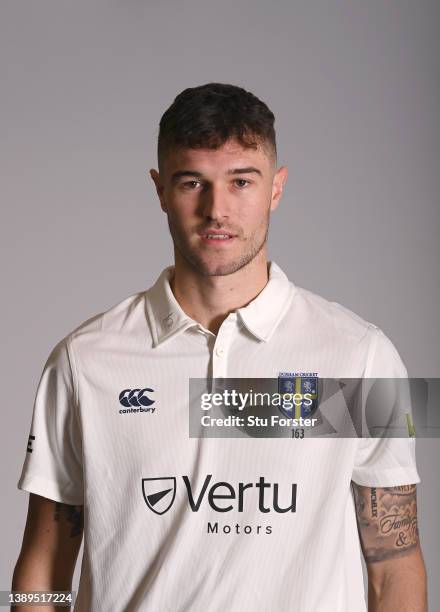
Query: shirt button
x=219 y=351
x=169 y=320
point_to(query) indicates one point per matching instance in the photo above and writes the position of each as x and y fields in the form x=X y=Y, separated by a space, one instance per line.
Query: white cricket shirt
x=176 y=524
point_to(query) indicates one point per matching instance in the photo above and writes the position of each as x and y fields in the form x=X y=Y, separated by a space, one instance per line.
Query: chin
x=217 y=264
x=218 y=268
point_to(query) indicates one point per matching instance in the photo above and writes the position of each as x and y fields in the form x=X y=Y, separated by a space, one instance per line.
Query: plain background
x=355 y=90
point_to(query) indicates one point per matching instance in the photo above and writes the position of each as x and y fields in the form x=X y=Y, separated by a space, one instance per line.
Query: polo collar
x=260 y=317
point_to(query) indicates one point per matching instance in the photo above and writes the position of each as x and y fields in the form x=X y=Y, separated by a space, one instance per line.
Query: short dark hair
x=208 y=115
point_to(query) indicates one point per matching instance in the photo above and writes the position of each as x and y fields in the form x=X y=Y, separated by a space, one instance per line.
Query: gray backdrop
x=355 y=90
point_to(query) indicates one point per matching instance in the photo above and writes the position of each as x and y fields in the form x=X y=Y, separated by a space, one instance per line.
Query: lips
x=216 y=235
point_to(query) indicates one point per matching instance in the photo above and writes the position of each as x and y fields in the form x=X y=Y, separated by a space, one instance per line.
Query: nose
x=214 y=203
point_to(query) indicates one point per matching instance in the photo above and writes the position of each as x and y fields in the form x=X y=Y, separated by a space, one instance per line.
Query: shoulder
x=336 y=326
x=327 y=316
x=107 y=328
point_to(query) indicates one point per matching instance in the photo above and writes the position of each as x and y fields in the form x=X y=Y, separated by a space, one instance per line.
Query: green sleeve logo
x=410 y=425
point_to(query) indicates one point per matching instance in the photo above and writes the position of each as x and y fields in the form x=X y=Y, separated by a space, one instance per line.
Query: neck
x=209 y=299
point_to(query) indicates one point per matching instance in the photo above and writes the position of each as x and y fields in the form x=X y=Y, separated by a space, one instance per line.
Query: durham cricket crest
x=302 y=387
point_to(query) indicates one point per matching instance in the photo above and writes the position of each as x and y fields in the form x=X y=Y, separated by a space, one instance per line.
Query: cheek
x=180 y=212
x=255 y=213
x=182 y=222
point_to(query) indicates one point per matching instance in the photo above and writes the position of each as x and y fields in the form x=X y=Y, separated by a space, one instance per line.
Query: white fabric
x=86 y=451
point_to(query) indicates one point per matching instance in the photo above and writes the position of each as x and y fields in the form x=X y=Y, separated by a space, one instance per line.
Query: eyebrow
x=179 y=173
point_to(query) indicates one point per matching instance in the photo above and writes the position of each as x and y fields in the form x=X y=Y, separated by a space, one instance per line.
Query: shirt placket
x=222 y=347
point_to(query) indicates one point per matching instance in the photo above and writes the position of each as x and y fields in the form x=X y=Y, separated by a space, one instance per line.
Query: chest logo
x=222 y=496
x=159 y=493
x=136 y=397
x=302 y=387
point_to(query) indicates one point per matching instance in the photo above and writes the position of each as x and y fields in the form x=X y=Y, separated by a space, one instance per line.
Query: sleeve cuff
x=386 y=478
x=50 y=489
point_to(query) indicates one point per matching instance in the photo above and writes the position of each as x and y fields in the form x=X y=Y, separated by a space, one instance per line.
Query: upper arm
x=51 y=542
x=387 y=521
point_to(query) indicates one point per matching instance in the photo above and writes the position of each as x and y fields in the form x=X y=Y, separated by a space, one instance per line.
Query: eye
x=190 y=184
x=242 y=182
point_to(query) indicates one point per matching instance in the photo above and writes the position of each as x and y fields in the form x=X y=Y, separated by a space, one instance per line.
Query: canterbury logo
x=136 y=397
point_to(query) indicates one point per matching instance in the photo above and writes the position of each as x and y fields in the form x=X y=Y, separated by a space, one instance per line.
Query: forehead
x=231 y=154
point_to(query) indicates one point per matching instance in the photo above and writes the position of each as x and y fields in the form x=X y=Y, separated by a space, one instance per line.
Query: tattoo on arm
x=72 y=514
x=387 y=521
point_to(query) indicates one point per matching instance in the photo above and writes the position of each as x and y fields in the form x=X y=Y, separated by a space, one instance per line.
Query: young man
x=173 y=522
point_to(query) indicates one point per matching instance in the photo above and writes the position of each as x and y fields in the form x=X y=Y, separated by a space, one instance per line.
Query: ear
x=279 y=180
x=159 y=188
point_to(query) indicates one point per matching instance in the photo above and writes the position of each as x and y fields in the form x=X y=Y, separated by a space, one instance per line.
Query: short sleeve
x=53 y=463
x=385 y=461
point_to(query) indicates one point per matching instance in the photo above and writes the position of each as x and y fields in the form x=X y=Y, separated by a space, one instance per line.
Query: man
x=175 y=522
